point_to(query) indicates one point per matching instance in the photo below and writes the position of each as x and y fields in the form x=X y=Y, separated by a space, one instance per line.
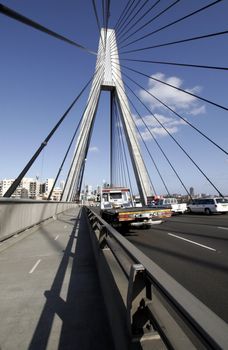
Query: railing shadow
x=83 y=315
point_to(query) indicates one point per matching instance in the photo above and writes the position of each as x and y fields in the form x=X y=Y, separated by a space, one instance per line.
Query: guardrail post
x=102 y=237
x=138 y=297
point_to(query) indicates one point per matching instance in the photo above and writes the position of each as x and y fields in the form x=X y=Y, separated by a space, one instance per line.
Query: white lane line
x=35 y=266
x=188 y=240
x=56 y=237
x=223 y=228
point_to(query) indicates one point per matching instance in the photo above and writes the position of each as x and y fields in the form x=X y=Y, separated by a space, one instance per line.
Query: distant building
x=88 y=190
x=34 y=189
x=28 y=188
x=5 y=185
x=191 y=191
x=42 y=188
x=24 y=193
x=56 y=194
x=48 y=186
x=62 y=184
x=31 y=188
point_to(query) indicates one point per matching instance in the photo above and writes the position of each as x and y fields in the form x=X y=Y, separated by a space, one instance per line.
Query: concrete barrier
x=17 y=215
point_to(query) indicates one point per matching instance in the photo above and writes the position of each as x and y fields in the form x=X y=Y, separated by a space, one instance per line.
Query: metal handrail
x=202 y=322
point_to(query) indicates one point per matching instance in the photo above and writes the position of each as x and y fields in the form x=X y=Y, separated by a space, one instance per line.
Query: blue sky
x=40 y=76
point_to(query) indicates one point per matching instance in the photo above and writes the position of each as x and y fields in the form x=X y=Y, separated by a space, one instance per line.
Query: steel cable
x=158 y=147
x=173 y=138
x=206 y=36
x=64 y=159
x=98 y=22
x=120 y=33
x=17 y=181
x=156 y=167
x=148 y=22
x=96 y=79
x=123 y=149
x=176 y=88
x=122 y=14
x=176 y=64
x=125 y=16
x=174 y=22
x=20 y=18
x=138 y=147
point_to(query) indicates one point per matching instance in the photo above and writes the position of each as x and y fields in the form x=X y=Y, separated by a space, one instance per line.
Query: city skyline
x=42 y=192
x=41 y=76
x=32 y=188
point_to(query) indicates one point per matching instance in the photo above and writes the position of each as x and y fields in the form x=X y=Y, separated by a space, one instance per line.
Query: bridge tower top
x=106 y=50
x=107 y=77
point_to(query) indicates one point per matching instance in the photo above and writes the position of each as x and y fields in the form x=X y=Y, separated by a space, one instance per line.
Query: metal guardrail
x=155 y=308
x=17 y=215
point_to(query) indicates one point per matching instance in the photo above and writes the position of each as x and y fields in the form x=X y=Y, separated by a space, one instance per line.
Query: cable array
x=174 y=22
x=172 y=137
x=124 y=41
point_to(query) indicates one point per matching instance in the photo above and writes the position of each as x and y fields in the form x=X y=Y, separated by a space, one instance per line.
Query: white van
x=209 y=205
x=173 y=202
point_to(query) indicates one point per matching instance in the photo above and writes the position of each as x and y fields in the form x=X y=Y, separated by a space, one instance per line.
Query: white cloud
x=179 y=101
x=175 y=99
x=93 y=149
x=158 y=131
x=157 y=127
x=198 y=110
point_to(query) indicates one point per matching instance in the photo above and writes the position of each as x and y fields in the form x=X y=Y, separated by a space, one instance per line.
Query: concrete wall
x=17 y=215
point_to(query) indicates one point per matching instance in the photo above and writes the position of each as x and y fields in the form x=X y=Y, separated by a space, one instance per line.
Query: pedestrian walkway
x=50 y=297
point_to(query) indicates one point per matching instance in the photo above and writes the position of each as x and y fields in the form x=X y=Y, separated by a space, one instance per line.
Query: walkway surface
x=50 y=297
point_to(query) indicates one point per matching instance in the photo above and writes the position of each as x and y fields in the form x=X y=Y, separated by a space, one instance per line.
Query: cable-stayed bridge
x=93 y=288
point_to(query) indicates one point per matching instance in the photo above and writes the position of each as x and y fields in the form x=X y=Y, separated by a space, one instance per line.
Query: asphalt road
x=194 y=250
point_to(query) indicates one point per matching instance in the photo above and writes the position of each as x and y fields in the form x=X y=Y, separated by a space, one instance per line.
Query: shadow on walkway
x=84 y=320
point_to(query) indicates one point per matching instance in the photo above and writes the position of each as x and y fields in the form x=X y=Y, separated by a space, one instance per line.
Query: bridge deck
x=50 y=297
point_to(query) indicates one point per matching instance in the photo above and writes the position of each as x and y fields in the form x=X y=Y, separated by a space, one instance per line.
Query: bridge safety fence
x=144 y=303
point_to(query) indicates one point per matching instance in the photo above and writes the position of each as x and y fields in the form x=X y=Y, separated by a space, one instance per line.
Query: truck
x=117 y=208
x=176 y=208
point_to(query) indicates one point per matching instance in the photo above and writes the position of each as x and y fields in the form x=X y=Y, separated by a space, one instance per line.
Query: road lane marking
x=223 y=228
x=188 y=240
x=56 y=237
x=35 y=266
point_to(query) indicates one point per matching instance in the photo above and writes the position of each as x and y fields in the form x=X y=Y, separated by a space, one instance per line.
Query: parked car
x=208 y=205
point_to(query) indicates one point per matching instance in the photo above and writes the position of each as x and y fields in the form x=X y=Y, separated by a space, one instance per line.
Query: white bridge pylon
x=107 y=77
